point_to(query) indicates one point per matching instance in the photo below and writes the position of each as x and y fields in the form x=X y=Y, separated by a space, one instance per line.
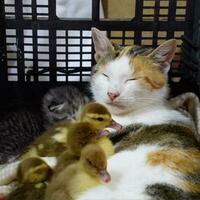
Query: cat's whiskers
x=127 y=102
x=138 y=99
x=133 y=98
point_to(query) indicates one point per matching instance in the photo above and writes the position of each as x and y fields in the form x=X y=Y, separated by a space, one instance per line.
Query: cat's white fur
x=130 y=176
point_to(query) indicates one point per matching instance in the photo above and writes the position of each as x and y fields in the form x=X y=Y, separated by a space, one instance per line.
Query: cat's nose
x=113 y=95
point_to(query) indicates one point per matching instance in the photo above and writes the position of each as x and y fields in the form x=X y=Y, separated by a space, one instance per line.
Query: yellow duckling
x=100 y=118
x=33 y=170
x=28 y=192
x=50 y=143
x=79 y=135
x=32 y=174
x=54 y=141
x=88 y=172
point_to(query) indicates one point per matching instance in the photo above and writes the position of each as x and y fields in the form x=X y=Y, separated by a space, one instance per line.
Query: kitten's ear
x=101 y=43
x=164 y=54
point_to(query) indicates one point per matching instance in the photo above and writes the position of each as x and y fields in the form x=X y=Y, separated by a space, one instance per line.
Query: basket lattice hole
x=148 y=11
x=147 y=42
x=162 y=34
x=178 y=34
x=163 y=11
x=129 y=42
x=129 y=34
x=181 y=3
x=164 y=3
x=27 y=2
x=116 y=34
x=148 y=3
x=147 y=34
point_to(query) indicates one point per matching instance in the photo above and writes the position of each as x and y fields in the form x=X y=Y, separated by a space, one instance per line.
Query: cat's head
x=126 y=78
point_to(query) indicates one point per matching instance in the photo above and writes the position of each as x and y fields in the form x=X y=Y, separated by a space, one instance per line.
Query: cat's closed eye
x=131 y=79
x=105 y=75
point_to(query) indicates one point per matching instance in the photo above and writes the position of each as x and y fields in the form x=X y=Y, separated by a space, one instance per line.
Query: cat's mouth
x=114 y=104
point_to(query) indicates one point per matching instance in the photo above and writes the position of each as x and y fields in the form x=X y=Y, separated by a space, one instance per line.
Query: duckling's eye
x=89 y=162
x=100 y=119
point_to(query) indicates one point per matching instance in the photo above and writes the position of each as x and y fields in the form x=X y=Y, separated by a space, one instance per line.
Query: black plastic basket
x=23 y=78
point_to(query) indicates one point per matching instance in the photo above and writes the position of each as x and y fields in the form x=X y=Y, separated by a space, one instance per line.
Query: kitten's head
x=62 y=103
x=130 y=77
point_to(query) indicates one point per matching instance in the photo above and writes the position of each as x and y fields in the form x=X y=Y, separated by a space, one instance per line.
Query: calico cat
x=62 y=103
x=161 y=160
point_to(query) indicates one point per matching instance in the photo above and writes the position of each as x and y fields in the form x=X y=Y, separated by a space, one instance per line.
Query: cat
x=18 y=128
x=62 y=103
x=162 y=160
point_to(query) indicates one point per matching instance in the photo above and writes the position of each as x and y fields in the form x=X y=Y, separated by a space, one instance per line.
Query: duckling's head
x=79 y=135
x=33 y=170
x=99 y=116
x=94 y=162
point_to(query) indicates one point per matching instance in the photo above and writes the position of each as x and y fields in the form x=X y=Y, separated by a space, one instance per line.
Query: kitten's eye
x=105 y=75
x=131 y=79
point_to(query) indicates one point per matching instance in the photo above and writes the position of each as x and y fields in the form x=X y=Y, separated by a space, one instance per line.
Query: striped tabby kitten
x=62 y=103
x=18 y=129
x=160 y=161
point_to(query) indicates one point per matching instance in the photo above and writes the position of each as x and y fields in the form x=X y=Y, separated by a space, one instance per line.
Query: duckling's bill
x=105 y=176
x=115 y=125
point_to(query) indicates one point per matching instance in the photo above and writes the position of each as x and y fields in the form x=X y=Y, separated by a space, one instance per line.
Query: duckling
x=28 y=192
x=99 y=117
x=88 y=172
x=31 y=176
x=64 y=160
x=79 y=135
x=53 y=141
x=33 y=170
x=84 y=133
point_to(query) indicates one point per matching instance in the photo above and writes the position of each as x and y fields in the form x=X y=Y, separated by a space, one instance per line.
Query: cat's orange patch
x=181 y=160
x=147 y=72
x=185 y=161
x=189 y=186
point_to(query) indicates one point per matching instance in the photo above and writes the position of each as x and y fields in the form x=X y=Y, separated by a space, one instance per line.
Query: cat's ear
x=164 y=54
x=102 y=45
